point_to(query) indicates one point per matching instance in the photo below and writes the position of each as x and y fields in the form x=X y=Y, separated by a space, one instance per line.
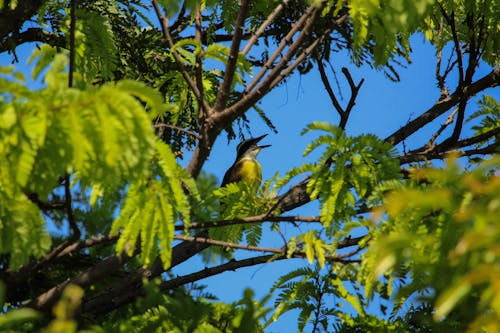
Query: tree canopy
x=103 y=190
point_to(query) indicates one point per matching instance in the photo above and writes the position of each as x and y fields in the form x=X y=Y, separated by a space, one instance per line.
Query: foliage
x=87 y=133
x=489 y=115
x=468 y=24
x=448 y=227
x=91 y=155
x=347 y=172
x=387 y=23
x=183 y=312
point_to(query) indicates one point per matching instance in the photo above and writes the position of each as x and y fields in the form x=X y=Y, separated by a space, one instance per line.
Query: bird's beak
x=257 y=139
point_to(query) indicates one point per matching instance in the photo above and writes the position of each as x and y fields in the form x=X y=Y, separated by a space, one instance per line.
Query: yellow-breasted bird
x=246 y=168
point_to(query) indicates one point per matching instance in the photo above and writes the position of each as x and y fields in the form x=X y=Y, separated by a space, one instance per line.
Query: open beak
x=257 y=139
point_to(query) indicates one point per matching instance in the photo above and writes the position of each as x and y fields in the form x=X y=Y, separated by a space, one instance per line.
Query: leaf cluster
x=100 y=136
x=348 y=171
x=181 y=311
x=447 y=227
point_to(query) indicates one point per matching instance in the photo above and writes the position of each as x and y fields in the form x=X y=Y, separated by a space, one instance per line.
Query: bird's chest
x=251 y=172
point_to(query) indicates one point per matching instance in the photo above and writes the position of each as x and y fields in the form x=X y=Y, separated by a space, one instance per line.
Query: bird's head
x=250 y=148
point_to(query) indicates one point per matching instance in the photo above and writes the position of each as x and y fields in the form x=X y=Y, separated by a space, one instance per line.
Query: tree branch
x=91 y=242
x=488 y=81
x=263 y=26
x=12 y=19
x=199 y=65
x=223 y=94
x=247 y=220
x=329 y=89
x=166 y=34
x=104 y=303
x=432 y=150
x=45 y=301
x=352 y=101
x=179 y=129
x=31 y=35
x=491 y=149
x=431 y=143
x=274 y=77
x=450 y=19
x=287 y=40
x=308 y=51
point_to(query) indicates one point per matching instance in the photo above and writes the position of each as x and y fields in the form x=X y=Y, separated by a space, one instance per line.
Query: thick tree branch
x=12 y=19
x=45 y=301
x=104 y=303
x=274 y=77
x=488 y=81
x=31 y=35
x=211 y=271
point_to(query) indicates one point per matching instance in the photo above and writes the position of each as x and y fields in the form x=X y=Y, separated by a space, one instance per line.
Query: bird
x=246 y=168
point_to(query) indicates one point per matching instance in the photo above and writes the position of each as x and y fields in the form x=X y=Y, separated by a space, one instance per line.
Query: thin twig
x=278 y=72
x=328 y=87
x=430 y=144
x=354 y=95
x=491 y=149
x=450 y=19
x=68 y=205
x=247 y=220
x=275 y=250
x=288 y=56
x=179 y=129
x=87 y=243
x=422 y=153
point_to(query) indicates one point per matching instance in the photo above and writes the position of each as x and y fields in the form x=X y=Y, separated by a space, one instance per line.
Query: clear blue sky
x=382 y=107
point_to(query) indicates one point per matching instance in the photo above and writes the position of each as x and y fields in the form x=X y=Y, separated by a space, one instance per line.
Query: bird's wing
x=232 y=175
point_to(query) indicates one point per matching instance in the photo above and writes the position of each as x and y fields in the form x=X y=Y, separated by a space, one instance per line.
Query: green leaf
x=448 y=300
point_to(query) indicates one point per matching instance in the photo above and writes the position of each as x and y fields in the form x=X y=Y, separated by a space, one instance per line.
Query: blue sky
x=382 y=107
